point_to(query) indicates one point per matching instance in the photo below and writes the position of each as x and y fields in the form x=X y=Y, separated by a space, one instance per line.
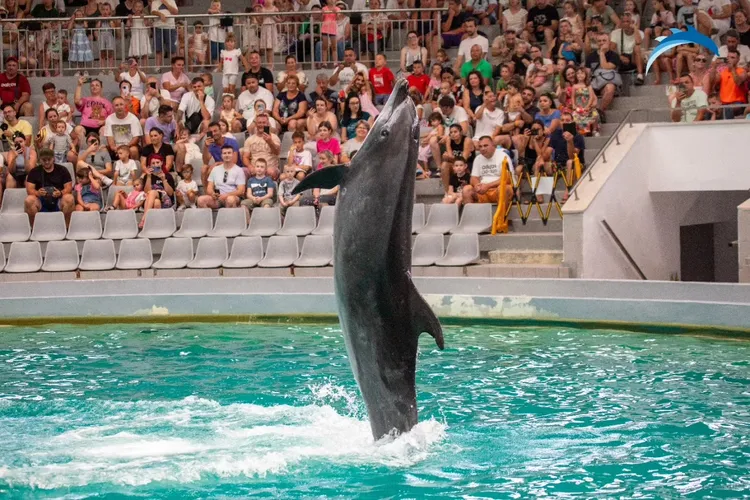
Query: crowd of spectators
x=524 y=100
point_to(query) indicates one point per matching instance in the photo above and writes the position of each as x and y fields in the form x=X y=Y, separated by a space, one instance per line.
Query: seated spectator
x=299 y=158
x=537 y=155
x=489 y=121
x=158 y=186
x=229 y=113
x=599 y=8
x=344 y=73
x=123 y=129
x=476 y=63
x=351 y=116
x=262 y=143
x=411 y=52
x=175 y=81
x=157 y=146
x=226 y=183
x=542 y=23
x=163 y=121
x=486 y=13
x=126 y=169
x=187 y=189
x=568 y=46
x=291 y=69
x=196 y=108
x=376 y=30
x=688 y=103
x=130 y=201
x=548 y=115
x=453 y=114
x=471 y=37
x=51 y=119
x=452 y=27
x=12 y=125
x=95 y=155
x=628 y=40
x=61 y=144
x=454 y=145
x=418 y=79
x=321 y=114
x=321 y=196
x=350 y=147
x=212 y=151
x=15 y=89
x=486 y=173
x=573 y=18
x=326 y=142
x=474 y=94
x=699 y=73
x=605 y=66
x=540 y=72
x=286 y=186
x=132 y=105
x=714 y=110
x=742 y=26
x=49 y=188
x=94 y=109
x=713 y=17
x=459 y=178
x=504 y=46
x=382 y=80
x=20 y=159
x=733 y=43
x=88 y=191
x=261 y=189
x=131 y=72
x=263 y=75
x=253 y=92
x=152 y=100
x=290 y=106
x=730 y=83
x=63 y=107
x=361 y=87
x=567 y=144
x=186 y=151
x=322 y=90
x=50 y=100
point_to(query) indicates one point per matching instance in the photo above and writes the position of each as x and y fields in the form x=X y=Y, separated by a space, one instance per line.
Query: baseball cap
x=46 y=153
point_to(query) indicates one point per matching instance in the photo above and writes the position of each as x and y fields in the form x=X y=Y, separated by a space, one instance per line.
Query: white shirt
x=160 y=5
x=489 y=121
x=231 y=61
x=490 y=169
x=516 y=22
x=153 y=105
x=628 y=41
x=346 y=75
x=235 y=178
x=189 y=105
x=458 y=115
x=691 y=105
x=464 y=49
x=136 y=84
x=744 y=51
x=122 y=130
x=481 y=6
x=246 y=102
x=125 y=170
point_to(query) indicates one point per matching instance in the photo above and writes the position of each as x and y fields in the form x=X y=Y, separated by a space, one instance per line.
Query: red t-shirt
x=11 y=89
x=382 y=80
x=421 y=82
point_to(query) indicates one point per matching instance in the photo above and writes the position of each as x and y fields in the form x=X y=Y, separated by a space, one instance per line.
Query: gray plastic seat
x=441 y=219
x=24 y=257
x=160 y=223
x=49 y=226
x=61 y=256
x=281 y=251
x=211 y=253
x=196 y=223
x=325 y=221
x=112 y=190
x=265 y=222
x=463 y=249
x=14 y=227
x=2 y=258
x=98 y=255
x=247 y=251
x=13 y=201
x=85 y=226
x=175 y=254
x=417 y=217
x=427 y=249
x=135 y=254
x=240 y=137
x=317 y=251
x=476 y=218
x=299 y=221
x=230 y=222
x=120 y=225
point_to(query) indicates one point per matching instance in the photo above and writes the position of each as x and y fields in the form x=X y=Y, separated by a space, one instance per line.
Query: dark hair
x=46 y=113
x=214 y=124
x=458 y=126
x=249 y=76
x=348 y=118
x=157 y=130
x=471 y=19
x=435 y=115
x=326 y=124
x=227 y=146
x=446 y=102
x=459 y=158
x=478 y=74
x=298 y=135
x=529 y=87
x=485 y=137
x=177 y=58
x=195 y=80
x=47 y=86
x=164 y=109
x=286 y=59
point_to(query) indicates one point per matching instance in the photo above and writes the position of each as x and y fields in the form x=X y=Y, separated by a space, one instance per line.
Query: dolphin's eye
x=384 y=133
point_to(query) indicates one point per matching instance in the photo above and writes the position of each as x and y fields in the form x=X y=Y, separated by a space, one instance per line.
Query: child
x=208 y=83
x=62 y=107
x=187 y=189
x=326 y=142
x=228 y=109
x=573 y=17
x=130 y=201
x=632 y=9
x=326 y=196
x=436 y=77
x=229 y=65
x=268 y=31
x=192 y=151
x=140 y=41
x=299 y=158
x=286 y=198
x=62 y=144
x=382 y=80
x=197 y=45
x=438 y=131
x=661 y=21
x=328 y=31
x=54 y=55
x=88 y=191
x=216 y=33
x=125 y=167
x=250 y=29
x=80 y=51
x=443 y=59
x=260 y=188
x=459 y=178
x=107 y=39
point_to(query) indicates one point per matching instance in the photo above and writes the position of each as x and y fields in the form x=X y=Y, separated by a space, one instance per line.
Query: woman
x=350 y=147
x=157 y=146
x=361 y=87
x=412 y=52
x=50 y=99
x=20 y=160
x=95 y=155
x=565 y=89
x=352 y=115
x=699 y=74
x=319 y=115
x=742 y=27
x=290 y=107
x=158 y=186
x=456 y=144
x=514 y=17
x=547 y=114
x=474 y=94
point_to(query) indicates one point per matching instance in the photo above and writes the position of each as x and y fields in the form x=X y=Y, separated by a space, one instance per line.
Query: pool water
x=228 y=411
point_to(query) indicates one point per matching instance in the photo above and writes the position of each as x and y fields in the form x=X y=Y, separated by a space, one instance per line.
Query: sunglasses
x=700 y=59
x=226 y=176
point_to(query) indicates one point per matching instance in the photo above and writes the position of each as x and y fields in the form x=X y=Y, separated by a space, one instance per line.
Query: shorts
x=250 y=204
x=424 y=27
x=165 y=40
x=47 y=206
x=539 y=35
x=491 y=196
x=216 y=48
x=166 y=200
x=451 y=40
x=229 y=80
x=721 y=25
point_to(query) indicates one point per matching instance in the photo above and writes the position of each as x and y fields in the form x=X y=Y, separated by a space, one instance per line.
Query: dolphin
x=381 y=312
x=679 y=37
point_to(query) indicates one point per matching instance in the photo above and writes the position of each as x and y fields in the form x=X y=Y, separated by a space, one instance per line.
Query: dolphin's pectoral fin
x=422 y=317
x=326 y=178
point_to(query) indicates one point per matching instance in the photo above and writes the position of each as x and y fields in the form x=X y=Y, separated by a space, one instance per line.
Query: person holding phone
x=215 y=141
x=688 y=103
x=95 y=154
x=49 y=188
x=567 y=143
x=20 y=159
x=262 y=143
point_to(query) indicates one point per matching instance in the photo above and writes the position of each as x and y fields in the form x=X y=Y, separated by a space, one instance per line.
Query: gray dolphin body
x=381 y=312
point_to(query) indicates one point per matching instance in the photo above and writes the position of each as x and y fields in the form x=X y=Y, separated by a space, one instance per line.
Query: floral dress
x=585 y=119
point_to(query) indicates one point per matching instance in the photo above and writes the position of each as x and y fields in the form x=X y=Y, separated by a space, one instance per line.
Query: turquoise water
x=229 y=411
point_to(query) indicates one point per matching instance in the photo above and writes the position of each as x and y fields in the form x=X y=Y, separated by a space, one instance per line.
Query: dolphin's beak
x=398 y=96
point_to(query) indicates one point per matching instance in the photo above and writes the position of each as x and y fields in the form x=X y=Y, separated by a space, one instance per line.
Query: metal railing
x=66 y=45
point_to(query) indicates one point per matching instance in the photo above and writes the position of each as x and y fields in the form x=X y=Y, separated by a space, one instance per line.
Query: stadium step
x=528 y=257
x=518 y=271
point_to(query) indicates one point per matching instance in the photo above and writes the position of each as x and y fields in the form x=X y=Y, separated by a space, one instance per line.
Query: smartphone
x=157 y=170
x=569 y=127
x=86 y=79
x=267 y=129
x=152 y=85
x=681 y=87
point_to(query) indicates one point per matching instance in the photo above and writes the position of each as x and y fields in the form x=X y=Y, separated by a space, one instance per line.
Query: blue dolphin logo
x=679 y=37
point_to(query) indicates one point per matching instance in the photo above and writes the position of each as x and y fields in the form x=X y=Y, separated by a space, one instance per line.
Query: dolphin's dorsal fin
x=326 y=178
x=422 y=317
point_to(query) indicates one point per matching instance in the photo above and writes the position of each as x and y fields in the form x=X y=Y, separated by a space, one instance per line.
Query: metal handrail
x=624 y=250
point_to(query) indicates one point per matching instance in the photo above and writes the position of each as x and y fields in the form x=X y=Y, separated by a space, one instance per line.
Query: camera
x=3 y=126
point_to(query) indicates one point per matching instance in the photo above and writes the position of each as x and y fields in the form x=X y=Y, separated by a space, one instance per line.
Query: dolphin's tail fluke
x=326 y=178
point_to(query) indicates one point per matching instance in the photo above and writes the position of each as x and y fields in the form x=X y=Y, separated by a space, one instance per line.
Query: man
x=454 y=114
x=452 y=28
x=226 y=184
x=503 y=48
x=472 y=38
x=485 y=11
x=344 y=72
x=486 y=174
x=246 y=102
x=542 y=23
x=263 y=75
x=196 y=108
x=490 y=119
x=733 y=43
x=153 y=98
x=175 y=81
x=165 y=34
x=599 y=8
x=730 y=83
x=604 y=62
x=12 y=124
x=49 y=188
x=215 y=142
x=291 y=69
x=262 y=144
x=15 y=89
x=476 y=63
x=322 y=90
x=567 y=143
x=628 y=41
x=164 y=121
x=123 y=129
x=688 y=104
x=714 y=17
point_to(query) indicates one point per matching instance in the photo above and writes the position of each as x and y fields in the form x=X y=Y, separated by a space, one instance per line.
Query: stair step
x=535 y=257
x=517 y=271
x=514 y=241
x=639 y=102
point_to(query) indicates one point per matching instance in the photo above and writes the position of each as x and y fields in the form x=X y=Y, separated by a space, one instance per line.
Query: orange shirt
x=729 y=92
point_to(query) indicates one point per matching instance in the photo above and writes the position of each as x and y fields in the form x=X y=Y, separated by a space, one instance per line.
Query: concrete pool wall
x=683 y=306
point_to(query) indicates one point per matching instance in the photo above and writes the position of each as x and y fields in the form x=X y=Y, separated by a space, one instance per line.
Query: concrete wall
x=743 y=241
x=649 y=187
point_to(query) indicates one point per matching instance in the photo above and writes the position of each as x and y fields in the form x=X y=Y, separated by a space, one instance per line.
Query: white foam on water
x=137 y=443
